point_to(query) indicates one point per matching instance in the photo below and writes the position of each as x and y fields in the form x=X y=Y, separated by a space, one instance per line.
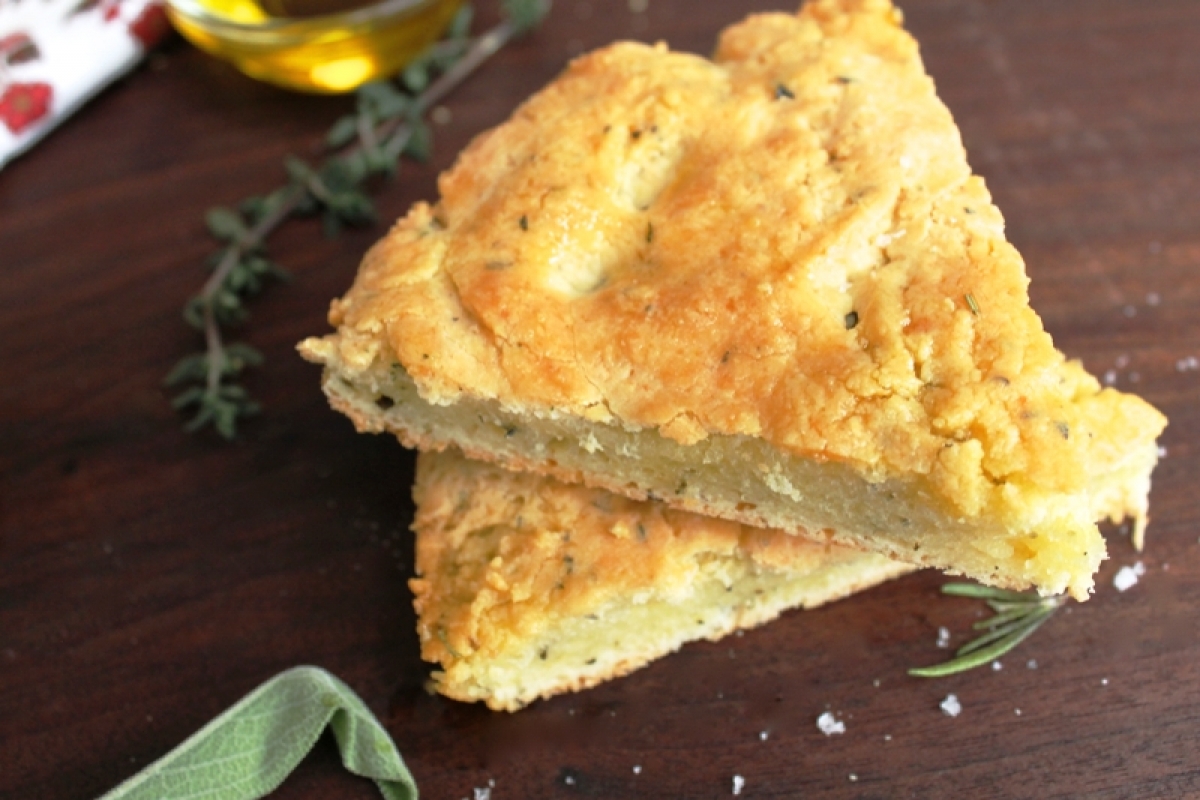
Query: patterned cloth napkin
x=56 y=54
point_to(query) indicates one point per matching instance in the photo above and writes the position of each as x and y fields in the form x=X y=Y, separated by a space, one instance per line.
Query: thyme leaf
x=1018 y=615
x=388 y=123
x=525 y=14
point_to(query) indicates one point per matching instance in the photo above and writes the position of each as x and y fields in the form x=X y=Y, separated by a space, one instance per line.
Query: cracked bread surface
x=783 y=246
x=528 y=587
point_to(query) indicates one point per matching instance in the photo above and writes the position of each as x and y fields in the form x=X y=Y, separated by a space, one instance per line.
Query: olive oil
x=311 y=8
x=325 y=46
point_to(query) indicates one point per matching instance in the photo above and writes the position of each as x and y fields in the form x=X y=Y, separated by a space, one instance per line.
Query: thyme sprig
x=388 y=123
x=1018 y=615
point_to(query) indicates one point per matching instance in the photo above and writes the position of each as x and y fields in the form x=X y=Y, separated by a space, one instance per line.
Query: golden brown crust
x=783 y=244
x=679 y=244
x=507 y=560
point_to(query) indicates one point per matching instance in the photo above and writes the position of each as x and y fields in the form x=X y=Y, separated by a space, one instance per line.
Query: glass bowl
x=327 y=53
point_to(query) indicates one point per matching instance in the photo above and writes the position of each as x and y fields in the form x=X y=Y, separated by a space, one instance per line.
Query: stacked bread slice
x=764 y=289
x=530 y=587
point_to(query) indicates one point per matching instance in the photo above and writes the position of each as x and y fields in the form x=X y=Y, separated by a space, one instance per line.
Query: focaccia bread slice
x=529 y=587
x=764 y=287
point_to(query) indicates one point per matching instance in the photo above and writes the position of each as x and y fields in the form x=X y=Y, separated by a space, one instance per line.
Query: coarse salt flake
x=829 y=725
x=1127 y=577
x=950 y=706
x=483 y=794
x=738 y=783
x=943 y=640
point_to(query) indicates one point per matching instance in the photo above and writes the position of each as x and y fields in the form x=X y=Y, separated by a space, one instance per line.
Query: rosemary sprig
x=388 y=123
x=1018 y=615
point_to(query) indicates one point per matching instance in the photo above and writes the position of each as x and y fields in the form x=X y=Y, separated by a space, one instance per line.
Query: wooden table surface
x=149 y=578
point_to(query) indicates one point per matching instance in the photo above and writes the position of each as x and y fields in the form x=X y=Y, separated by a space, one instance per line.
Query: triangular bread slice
x=765 y=287
x=530 y=588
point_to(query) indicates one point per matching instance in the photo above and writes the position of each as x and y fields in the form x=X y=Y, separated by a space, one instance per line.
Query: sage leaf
x=247 y=751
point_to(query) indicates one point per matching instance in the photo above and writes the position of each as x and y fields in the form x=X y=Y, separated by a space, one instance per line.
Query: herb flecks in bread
x=794 y=309
x=528 y=588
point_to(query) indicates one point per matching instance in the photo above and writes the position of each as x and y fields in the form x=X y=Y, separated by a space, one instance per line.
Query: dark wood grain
x=149 y=578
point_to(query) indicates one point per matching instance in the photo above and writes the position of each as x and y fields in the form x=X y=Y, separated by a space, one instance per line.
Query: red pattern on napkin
x=23 y=104
x=151 y=26
x=17 y=48
x=55 y=54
